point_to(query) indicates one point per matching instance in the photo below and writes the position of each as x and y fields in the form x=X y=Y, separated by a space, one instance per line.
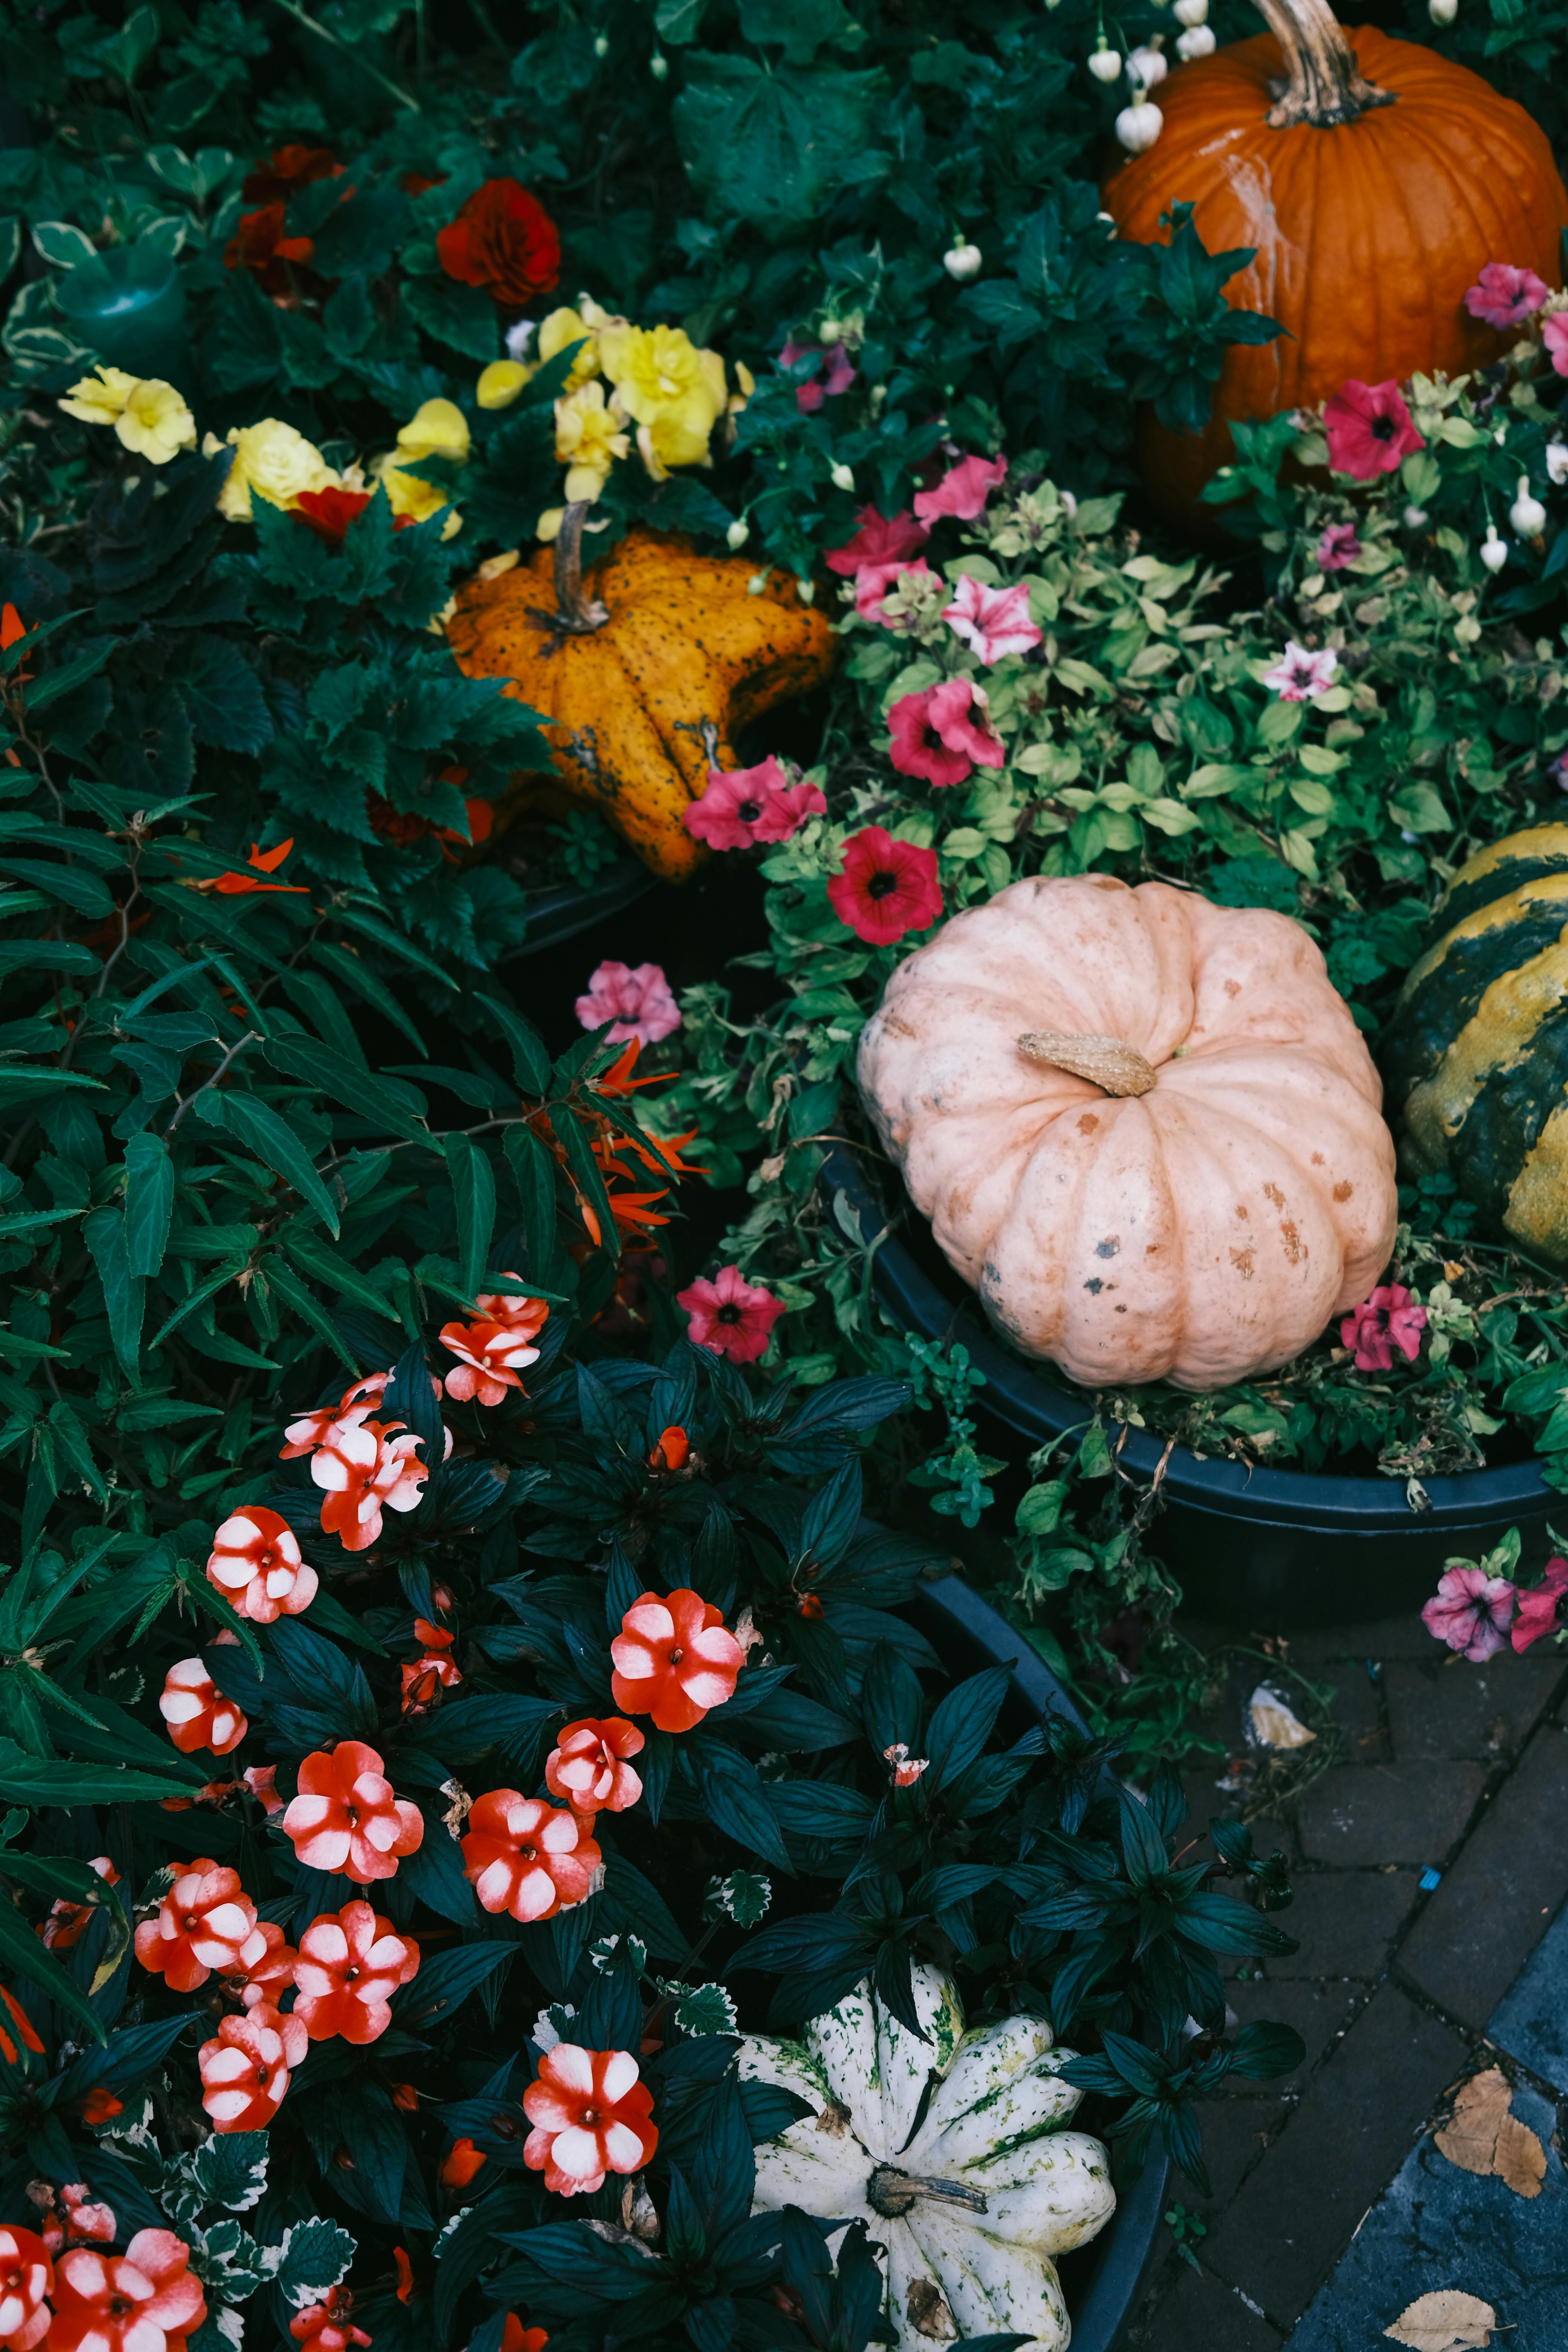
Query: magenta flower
x=1537 y=1608
x=886 y=888
x=1555 y=335
x=636 y=1000
x=729 y=1316
x=1386 y=1321
x=1338 y=546
x=1302 y=676
x=1369 y=428
x=1470 y=1611
x=1503 y=295
x=962 y=489
x=878 y=540
x=752 y=805
x=944 y=733
x=1559 y=769
x=875 y=580
x=992 y=621
x=810 y=396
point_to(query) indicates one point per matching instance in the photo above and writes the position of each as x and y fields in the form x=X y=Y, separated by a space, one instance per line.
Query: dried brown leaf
x=1483 y=2137
x=1447 y=2321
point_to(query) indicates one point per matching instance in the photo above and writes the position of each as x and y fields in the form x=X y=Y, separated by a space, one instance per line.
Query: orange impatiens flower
x=245 y=2071
x=674 y=1660
x=524 y=1856
x=351 y=1962
x=263 y=861
x=346 y=1816
x=255 y=1565
x=590 y=2115
x=587 y=1767
x=196 y=1712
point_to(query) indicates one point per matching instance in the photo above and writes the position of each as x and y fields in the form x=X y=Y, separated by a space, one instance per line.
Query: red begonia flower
x=504 y=241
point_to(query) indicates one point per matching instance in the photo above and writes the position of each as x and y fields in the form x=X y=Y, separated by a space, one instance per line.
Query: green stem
x=393 y=90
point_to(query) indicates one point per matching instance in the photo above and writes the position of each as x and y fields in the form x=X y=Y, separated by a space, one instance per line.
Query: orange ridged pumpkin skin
x=1367 y=232
x=641 y=708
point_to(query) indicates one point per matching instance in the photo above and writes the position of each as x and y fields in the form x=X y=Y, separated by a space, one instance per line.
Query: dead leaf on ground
x=1449 y=2321
x=1273 y=1725
x=1483 y=2137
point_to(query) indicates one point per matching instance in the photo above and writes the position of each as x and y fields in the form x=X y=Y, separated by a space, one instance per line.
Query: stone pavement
x=1429 y=1868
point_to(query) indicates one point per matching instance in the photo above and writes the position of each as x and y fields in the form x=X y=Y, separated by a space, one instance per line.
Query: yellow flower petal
x=500 y=383
x=437 y=429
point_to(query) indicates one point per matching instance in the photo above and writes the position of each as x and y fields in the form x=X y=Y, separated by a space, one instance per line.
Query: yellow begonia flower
x=271 y=462
x=407 y=495
x=565 y=327
x=589 y=435
x=155 y=422
x=100 y=399
x=748 y=384
x=666 y=383
x=500 y=383
x=438 y=429
x=550 y=522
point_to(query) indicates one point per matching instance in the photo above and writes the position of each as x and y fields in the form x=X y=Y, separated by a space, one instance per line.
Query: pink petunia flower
x=879 y=539
x=1338 y=547
x=1370 y=429
x=364 y=1472
x=1302 y=676
x=634 y=999
x=887 y=889
x=875 y=581
x=752 y=805
x=1555 y=335
x=1386 y=1321
x=810 y=396
x=1470 y=1611
x=1538 y=1606
x=962 y=489
x=1503 y=295
x=991 y=620
x=944 y=733
x=729 y=1316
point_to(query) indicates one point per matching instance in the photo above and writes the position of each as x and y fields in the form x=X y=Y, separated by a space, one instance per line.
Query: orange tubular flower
x=674 y=1660
x=524 y=1856
x=262 y=861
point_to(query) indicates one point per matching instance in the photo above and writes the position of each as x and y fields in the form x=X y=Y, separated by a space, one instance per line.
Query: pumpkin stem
x=891 y=2192
x=1323 y=84
x=1115 y=1068
x=575 y=613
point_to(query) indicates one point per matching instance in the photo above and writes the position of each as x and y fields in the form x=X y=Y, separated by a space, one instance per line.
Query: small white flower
x=518 y=338
x=1138 y=125
x=1198 y=43
x=738 y=534
x=1106 y=63
x=1442 y=12
x=1494 y=550
x=841 y=477
x=1415 y=517
x=1557 y=463
x=1191 y=11
x=658 y=66
x=963 y=261
x=1527 y=515
x=1147 y=65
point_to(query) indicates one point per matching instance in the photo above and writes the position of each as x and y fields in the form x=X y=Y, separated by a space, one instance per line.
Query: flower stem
x=1323 y=85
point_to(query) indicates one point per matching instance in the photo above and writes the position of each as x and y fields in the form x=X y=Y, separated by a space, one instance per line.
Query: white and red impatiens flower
x=266 y=1978
x=245 y=2070
x=351 y=1963
x=674 y=1659
x=313 y=1429
x=433 y=1671
x=590 y=2115
x=69 y=1922
x=196 y=1712
x=347 y=1818
x=145 y=2300
x=524 y=1856
x=27 y=2282
x=366 y=1469
x=205 y=1921
x=907 y=1769
x=255 y=1565
x=494 y=1349
x=587 y=1767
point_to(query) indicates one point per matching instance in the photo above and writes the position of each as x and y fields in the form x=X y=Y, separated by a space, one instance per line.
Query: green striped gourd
x=1477 y=1048
x=972 y=2208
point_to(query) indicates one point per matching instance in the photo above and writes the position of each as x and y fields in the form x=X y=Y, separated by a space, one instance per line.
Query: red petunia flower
x=145 y=2300
x=266 y=1977
x=433 y=1671
x=27 y=2282
x=327 y=2327
x=262 y=244
x=504 y=241
x=205 y=1921
x=245 y=2070
x=729 y=1316
x=364 y=1470
x=347 y=1818
x=587 y=1767
x=1370 y=429
x=944 y=733
x=196 y=1712
x=887 y=887
x=524 y=1856
x=878 y=540
x=351 y=1963
x=590 y=2115
x=255 y=1565
x=286 y=172
x=674 y=1660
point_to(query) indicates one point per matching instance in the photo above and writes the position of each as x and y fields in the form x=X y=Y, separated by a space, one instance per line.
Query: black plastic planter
x=1259 y=1547
x=1101 y=2280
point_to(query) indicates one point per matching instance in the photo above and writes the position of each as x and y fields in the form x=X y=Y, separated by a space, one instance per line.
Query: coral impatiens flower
x=327 y=2327
x=887 y=887
x=493 y=1350
x=962 y=489
x=347 y=1818
x=1471 y=1611
x=355 y=1405
x=504 y=241
x=1370 y=429
x=516 y=2337
x=587 y=1767
x=943 y=733
x=1503 y=295
x=671 y=1449
x=729 y=1316
x=1386 y=1321
x=266 y=1978
x=634 y=999
x=205 y=1921
x=69 y=1922
x=27 y=2282
x=879 y=539
x=1538 y=1606
x=245 y=2070
x=433 y=1671
x=462 y=2163
x=145 y=2300
x=255 y=1565
x=991 y=620
x=674 y=1659
x=590 y=2114
x=196 y=1712
x=351 y=1963
x=752 y=805
x=365 y=1470
x=524 y=1856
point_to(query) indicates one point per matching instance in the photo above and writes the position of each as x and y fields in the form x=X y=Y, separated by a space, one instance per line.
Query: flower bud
x=806 y=590
x=1415 y=517
x=963 y=262
x=1149 y=64
x=1442 y=12
x=1138 y=125
x=602 y=42
x=1191 y=11
x=1557 y=463
x=842 y=479
x=1494 y=550
x=1198 y=43
x=738 y=534
x=1106 y=63
x=831 y=332
x=1527 y=515
x=658 y=65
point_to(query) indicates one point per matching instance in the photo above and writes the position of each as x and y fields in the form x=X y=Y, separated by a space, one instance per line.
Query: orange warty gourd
x=1375 y=180
x=1145 y=1128
x=645 y=666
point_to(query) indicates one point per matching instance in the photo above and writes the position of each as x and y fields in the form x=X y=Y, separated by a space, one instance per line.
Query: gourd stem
x=1108 y=1063
x=575 y=613
x=1324 y=86
x=891 y=2192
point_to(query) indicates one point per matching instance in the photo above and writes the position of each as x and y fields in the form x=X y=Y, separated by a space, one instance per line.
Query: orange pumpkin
x=1372 y=203
x=645 y=666
x=1145 y=1128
